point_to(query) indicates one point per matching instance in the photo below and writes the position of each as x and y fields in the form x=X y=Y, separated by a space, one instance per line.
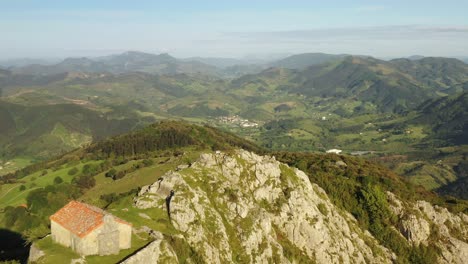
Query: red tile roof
x=80 y=218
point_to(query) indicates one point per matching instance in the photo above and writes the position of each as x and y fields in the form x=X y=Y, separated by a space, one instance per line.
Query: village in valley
x=236 y=120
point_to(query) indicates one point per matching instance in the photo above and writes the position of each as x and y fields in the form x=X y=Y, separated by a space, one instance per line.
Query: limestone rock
x=182 y=166
x=35 y=253
x=153 y=253
x=237 y=206
x=81 y=260
x=144 y=229
x=420 y=220
x=143 y=215
x=151 y=195
x=341 y=163
x=416 y=230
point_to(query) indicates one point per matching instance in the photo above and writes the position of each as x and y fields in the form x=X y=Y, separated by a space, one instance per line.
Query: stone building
x=89 y=230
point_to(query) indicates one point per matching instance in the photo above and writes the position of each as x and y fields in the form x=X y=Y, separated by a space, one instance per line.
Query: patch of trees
x=169 y=135
x=113 y=197
x=165 y=135
x=93 y=169
x=281 y=125
x=282 y=108
x=53 y=164
x=447 y=117
x=32 y=221
x=462 y=168
x=84 y=181
x=73 y=171
x=456 y=188
x=115 y=175
x=58 y=180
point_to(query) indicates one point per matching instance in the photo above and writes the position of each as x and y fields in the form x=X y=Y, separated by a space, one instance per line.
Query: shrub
x=148 y=162
x=111 y=173
x=323 y=209
x=89 y=169
x=85 y=182
x=73 y=171
x=58 y=180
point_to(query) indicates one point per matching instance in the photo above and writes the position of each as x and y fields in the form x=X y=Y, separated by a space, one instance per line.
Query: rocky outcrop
x=35 y=254
x=81 y=260
x=247 y=208
x=157 y=251
x=423 y=223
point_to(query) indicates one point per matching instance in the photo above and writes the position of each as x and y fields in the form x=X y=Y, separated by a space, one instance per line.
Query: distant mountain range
x=222 y=62
x=392 y=85
x=415 y=57
x=396 y=85
x=126 y=62
x=302 y=61
x=133 y=61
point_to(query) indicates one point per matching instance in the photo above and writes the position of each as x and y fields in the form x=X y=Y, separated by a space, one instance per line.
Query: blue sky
x=52 y=28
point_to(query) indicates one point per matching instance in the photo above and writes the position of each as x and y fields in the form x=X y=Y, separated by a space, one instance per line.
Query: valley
x=71 y=131
x=312 y=102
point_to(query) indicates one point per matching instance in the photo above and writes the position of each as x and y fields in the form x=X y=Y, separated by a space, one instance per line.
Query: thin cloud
x=397 y=40
x=374 y=8
x=383 y=32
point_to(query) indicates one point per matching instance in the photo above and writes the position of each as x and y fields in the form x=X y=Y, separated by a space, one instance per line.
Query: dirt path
x=13 y=198
x=8 y=191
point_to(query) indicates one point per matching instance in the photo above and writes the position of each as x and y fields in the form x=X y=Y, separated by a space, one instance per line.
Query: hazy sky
x=235 y=28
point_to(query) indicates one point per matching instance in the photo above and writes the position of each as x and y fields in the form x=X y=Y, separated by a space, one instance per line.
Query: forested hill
x=447 y=117
x=43 y=131
x=393 y=86
x=170 y=134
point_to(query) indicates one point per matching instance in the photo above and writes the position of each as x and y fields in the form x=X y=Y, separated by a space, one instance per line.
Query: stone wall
x=106 y=239
x=87 y=245
x=59 y=234
x=125 y=236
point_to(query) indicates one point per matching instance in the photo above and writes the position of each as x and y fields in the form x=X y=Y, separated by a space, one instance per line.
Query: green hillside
x=85 y=171
x=442 y=74
x=109 y=174
x=43 y=131
x=448 y=118
x=169 y=134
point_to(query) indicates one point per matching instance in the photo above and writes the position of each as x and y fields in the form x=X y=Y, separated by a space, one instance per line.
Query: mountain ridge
x=131 y=61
